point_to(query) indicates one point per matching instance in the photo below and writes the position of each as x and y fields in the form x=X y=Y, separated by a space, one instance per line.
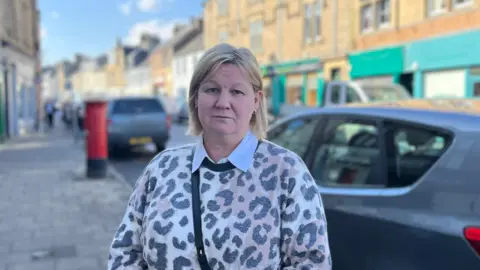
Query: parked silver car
x=400 y=186
x=136 y=122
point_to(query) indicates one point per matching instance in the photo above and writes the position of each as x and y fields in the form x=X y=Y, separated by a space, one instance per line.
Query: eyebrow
x=215 y=83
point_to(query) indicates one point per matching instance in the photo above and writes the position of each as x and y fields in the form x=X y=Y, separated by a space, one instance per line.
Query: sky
x=91 y=27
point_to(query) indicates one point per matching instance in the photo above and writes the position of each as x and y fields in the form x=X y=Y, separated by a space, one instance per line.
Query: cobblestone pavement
x=51 y=220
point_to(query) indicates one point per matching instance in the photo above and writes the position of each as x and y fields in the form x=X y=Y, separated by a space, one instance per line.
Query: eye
x=211 y=90
x=237 y=92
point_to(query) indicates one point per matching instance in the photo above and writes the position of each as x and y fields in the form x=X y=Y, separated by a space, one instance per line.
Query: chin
x=223 y=130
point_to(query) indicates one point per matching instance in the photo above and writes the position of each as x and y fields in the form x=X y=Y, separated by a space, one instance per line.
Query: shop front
x=292 y=82
x=446 y=66
x=384 y=65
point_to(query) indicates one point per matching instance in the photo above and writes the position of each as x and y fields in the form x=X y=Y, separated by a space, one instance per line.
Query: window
x=312 y=22
x=256 y=35
x=383 y=13
x=352 y=95
x=223 y=37
x=336 y=94
x=462 y=3
x=135 y=106
x=348 y=154
x=366 y=18
x=222 y=7
x=318 y=20
x=412 y=151
x=436 y=7
x=294 y=135
x=476 y=89
x=307 y=19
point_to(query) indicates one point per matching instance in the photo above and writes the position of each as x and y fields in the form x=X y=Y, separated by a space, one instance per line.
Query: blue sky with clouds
x=91 y=27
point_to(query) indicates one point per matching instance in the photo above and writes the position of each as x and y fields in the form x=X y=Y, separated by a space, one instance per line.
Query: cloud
x=54 y=15
x=157 y=27
x=146 y=5
x=126 y=8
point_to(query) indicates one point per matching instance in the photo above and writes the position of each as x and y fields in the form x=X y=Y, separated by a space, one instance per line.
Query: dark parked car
x=137 y=122
x=400 y=186
x=182 y=115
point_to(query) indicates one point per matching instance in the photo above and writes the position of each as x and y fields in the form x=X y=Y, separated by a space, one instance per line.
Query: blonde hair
x=209 y=63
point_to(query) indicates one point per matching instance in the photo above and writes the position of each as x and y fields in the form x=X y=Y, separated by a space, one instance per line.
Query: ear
x=258 y=97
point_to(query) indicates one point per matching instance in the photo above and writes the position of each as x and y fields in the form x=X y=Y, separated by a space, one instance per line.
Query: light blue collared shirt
x=241 y=157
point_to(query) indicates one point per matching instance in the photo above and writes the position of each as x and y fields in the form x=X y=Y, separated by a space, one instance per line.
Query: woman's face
x=226 y=102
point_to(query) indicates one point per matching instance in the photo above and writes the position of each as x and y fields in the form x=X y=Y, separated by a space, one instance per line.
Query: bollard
x=96 y=137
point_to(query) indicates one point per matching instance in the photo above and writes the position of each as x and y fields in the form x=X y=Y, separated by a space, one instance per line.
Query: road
x=132 y=165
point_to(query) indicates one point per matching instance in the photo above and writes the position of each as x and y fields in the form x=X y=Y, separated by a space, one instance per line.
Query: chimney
x=177 y=28
x=119 y=42
x=148 y=42
x=78 y=57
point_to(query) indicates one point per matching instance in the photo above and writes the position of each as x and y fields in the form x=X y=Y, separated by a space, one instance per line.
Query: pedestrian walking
x=233 y=200
x=50 y=112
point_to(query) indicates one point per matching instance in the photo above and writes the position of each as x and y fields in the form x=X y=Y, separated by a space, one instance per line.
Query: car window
x=412 y=151
x=347 y=155
x=352 y=95
x=294 y=135
x=335 y=94
x=136 y=106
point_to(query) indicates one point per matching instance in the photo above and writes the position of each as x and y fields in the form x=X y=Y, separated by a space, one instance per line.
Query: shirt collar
x=241 y=157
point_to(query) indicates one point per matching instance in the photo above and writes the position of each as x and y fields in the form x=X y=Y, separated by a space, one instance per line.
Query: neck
x=219 y=147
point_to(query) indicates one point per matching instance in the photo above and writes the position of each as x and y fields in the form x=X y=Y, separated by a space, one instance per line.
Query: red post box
x=96 y=138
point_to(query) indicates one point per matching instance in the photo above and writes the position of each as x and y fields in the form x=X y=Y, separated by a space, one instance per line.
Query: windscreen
x=385 y=92
x=137 y=106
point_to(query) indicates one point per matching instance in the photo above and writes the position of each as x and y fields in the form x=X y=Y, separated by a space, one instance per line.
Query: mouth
x=221 y=117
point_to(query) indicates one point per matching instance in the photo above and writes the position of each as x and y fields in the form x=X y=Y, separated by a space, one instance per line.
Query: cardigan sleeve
x=126 y=250
x=304 y=225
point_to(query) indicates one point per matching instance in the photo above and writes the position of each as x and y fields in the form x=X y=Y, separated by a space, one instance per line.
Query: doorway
x=406 y=80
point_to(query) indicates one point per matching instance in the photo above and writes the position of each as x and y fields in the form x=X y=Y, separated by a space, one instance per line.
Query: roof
x=454 y=120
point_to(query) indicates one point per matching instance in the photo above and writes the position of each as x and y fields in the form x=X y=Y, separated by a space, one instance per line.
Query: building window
x=312 y=21
x=222 y=6
x=366 y=18
x=436 y=7
x=256 y=35
x=223 y=37
x=318 y=20
x=307 y=19
x=462 y=3
x=383 y=13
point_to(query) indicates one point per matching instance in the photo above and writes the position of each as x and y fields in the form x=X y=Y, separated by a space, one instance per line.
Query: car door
x=345 y=162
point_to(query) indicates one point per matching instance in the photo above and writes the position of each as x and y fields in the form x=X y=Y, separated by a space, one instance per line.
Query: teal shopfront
x=380 y=65
x=292 y=81
x=446 y=66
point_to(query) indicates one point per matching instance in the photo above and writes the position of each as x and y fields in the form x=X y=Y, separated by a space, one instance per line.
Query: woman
x=233 y=200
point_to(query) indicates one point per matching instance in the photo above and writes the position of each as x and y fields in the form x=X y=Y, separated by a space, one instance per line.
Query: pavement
x=131 y=165
x=52 y=218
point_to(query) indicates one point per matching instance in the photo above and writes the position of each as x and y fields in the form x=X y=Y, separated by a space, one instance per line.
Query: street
x=52 y=217
x=132 y=165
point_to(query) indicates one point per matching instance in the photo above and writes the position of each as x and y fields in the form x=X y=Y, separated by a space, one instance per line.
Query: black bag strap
x=197 y=221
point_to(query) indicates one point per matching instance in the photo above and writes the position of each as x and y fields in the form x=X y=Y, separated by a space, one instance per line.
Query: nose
x=223 y=100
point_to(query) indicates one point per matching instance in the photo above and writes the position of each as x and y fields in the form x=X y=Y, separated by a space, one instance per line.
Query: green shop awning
x=293 y=67
x=376 y=62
